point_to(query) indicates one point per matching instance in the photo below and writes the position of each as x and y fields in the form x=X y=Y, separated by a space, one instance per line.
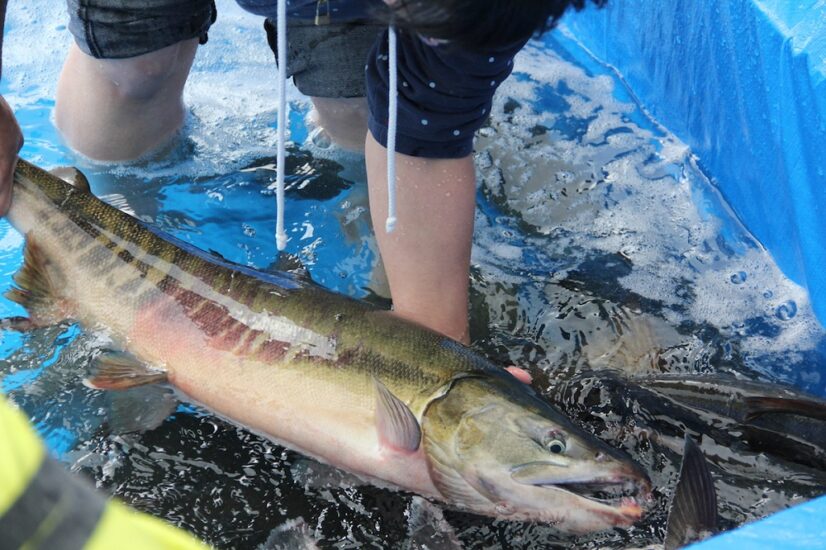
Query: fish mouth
x=610 y=493
x=625 y=491
x=620 y=502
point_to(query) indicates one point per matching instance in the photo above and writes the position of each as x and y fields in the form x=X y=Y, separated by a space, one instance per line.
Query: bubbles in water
x=738 y=278
x=565 y=176
x=786 y=310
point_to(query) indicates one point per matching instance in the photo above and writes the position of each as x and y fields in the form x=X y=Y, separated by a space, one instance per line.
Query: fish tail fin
x=693 y=513
x=758 y=406
x=37 y=287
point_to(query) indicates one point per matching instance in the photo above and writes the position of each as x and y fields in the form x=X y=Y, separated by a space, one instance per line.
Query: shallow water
x=600 y=243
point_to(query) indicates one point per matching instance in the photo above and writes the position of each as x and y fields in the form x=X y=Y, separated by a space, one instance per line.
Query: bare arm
x=11 y=139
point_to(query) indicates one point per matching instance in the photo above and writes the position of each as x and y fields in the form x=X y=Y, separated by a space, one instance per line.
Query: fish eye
x=555 y=443
x=556 y=446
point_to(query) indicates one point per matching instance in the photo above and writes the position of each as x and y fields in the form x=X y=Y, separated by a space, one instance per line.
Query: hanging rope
x=390 y=223
x=281 y=28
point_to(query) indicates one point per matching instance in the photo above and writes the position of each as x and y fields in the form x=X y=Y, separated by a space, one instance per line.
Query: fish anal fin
x=139 y=409
x=397 y=426
x=758 y=406
x=693 y=514
x=73 y=177
x=114 y=370
x=37 y=287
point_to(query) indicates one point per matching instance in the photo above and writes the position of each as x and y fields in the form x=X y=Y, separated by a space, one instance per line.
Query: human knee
x=344 y=120
x=143 y=77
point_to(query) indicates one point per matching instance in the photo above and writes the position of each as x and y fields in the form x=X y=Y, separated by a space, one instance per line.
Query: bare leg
x=344 y=120
x=427 y=257
x=119 y=109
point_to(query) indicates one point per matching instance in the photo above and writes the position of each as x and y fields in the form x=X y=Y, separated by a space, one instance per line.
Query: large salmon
x=323 y=374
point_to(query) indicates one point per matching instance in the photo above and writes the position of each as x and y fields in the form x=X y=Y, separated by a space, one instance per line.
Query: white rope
x=390 y=223
x=281 y=29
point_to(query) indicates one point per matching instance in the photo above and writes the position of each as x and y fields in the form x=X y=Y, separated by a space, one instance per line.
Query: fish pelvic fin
x=114 y=370
x=73 y=177
x=139 y=409
x=37 y=287
x=397 y=426
x=693 y=513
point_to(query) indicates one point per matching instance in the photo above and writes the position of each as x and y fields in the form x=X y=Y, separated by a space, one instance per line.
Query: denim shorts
x=325 y=60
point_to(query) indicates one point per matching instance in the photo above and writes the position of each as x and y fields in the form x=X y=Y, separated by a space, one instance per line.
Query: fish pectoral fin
x=139 y=409
x=693 y=513
x=37 y=287
x=73 y=177
x=114 y=370
x=397 y=426
x=758 y=406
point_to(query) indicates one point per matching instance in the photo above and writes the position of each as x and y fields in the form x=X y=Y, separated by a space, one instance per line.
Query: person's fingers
x=520 y=374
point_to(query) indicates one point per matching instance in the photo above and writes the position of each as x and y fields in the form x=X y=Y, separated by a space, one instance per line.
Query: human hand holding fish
x=393 y=402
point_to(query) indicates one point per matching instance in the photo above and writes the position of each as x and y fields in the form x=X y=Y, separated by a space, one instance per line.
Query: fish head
x=495 y=448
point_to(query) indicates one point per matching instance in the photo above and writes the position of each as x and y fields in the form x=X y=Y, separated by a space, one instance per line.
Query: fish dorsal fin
x=37 y=287
x=73 y=177
x=397 y=426
x=693 y=514
x=115 y=370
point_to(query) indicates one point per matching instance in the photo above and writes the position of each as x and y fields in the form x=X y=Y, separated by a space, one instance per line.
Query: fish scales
x=324 y=374
x=230 y=310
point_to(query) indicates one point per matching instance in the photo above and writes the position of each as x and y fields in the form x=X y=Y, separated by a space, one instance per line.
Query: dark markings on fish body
x=209 y=317
x=126 y=256
x=271 y=350
x=232 y=336
x=97 y=258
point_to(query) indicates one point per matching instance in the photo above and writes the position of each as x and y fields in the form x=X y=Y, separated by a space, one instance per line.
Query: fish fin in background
x=114 y=370
x=397 y=425
x=73 y=177
x=758 y=406
x=37 y=288
x=139 y=409
x=693 y=513
x=293 y=534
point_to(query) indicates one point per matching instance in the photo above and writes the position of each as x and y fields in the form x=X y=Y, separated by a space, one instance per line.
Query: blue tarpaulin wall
x=743 y=83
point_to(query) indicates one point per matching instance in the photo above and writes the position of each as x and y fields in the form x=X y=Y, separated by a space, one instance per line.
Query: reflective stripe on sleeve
x=56 y=511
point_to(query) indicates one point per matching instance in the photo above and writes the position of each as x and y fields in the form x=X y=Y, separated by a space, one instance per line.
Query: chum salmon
x=323 y=374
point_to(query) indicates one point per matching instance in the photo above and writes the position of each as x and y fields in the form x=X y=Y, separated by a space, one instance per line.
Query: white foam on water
x=596 y=181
